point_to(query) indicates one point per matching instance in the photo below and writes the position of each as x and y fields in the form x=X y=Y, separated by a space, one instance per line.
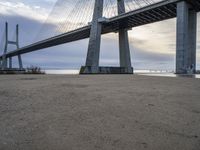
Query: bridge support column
x=10 y=63
x=20 y=62
x=186 y=39
x=17 y=44
x=4 y=65
x=0 y=63
x=124 y=50
x=5 y=60
x=92 y=60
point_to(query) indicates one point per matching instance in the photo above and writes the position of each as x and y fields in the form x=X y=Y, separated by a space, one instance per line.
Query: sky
x=152 y=46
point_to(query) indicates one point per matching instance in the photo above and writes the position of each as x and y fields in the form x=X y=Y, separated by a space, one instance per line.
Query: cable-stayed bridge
x=120 y=16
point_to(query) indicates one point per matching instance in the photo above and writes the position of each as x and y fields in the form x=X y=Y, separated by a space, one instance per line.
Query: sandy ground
x=71 y=112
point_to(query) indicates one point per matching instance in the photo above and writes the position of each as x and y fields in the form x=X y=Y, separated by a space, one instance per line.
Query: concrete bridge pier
x=20 y=62
x=1 y=64
x=4 y=59
x=10 y=63
x=6 y=63
x=186 y=38
x=124 y=50
x=92 y=60
x=17 y=44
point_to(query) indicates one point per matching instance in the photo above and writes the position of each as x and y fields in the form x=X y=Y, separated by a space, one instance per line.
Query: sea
x=162 y=73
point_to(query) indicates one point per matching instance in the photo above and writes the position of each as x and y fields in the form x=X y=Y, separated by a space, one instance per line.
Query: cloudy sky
x=152 y=46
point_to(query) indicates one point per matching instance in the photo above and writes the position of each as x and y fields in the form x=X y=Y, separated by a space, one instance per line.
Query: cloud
x=21 y=9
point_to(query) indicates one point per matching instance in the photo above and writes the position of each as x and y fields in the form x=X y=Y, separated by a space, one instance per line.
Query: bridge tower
x=92 y=60
x=4 y=63
x=124 y=50
x=186 y=38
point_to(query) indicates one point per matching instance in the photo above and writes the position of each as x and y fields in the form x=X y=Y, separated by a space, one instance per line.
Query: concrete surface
x=124 y=49
x=119 y=112
x=93 y=53
x=186 y=38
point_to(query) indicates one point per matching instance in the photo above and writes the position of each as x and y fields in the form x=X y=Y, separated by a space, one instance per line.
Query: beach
x=99 y=112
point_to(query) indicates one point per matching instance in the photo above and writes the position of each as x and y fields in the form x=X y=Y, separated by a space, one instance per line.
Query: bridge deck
x=149 y=14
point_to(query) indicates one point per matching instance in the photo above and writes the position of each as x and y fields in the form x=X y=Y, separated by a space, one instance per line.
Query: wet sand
x=119 y=112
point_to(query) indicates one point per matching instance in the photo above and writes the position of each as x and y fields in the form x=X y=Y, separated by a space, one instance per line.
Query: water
x=138 y=72
x=163 y=73
x=61 y=71
x=169 y=75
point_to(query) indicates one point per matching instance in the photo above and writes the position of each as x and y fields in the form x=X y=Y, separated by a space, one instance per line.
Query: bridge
x=184 y=10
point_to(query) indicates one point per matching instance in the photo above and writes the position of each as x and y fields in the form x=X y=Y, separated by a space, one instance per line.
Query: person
x=192 y=68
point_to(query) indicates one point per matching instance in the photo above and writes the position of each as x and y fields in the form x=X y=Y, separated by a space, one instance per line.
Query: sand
x=102 y=112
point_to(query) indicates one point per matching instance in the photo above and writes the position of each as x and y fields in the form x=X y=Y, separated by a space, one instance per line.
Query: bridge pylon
x=92 y=60
x=124 y=50
x=186 y=38
x=5 y=64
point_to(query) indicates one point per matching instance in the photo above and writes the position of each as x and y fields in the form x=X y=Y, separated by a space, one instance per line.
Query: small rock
x=151 y=105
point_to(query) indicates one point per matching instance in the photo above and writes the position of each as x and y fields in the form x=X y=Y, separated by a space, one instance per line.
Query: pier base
x=13 y=71
x=106 y=70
